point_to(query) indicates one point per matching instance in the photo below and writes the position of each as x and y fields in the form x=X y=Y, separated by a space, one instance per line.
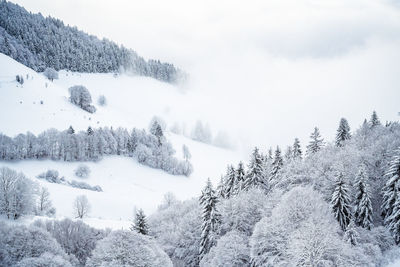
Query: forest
x=325 y=204
x=40 y=43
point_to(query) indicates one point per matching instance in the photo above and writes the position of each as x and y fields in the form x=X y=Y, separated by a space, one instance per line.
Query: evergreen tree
x=297 y=153
x=256 y=175
x=393 y=221
x=270 y=153
x=277 y=164
x=230 y=181
x=391 y=188
x=288 y=153
x=374 y=121
x=341 y=203
x=140 y=223
x=210 y=218
x=362 y=205
x=316 y=142
x=70 y=130
x=89 y=131
x=351 y=235
x=221 y=188
x=343 y=133
x=240 y=178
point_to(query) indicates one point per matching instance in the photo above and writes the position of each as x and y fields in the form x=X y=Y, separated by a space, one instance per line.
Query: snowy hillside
x=131 y=102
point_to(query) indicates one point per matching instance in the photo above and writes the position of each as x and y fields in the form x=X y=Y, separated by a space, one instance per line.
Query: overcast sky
x=282 y=65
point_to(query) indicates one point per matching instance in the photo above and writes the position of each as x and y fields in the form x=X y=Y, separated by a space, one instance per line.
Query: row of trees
x=150 y=149
x=40 y=42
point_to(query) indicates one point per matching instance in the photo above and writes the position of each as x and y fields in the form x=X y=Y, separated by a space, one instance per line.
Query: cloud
x=264 y=71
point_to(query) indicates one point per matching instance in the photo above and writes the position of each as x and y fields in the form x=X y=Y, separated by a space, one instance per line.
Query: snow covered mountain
x=132 y=101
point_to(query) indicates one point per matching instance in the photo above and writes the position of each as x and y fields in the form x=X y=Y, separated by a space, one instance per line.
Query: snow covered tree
x=19 y=242
x=374 y=121
x=210 y=217
x=341 y=203
x=75 y=237
x=44 y=205
x=16 y=194
x=232 y=250
x=80 y=96
x=343 y=133
x=221 y=188
x=70 y=130
x=351 y=235
x=362 y=202
x=288 y=154
x=255 y=176
x=230 y=181
x=393 y=221
x=277 y=165
x=157 y=131
x=316 y=142
x=240 y=178
x=127 y=248
x=392 y=186
x=82 y=171
x=50 y=74
x=297 y=153
x=140 y=223
x=81 y=206
x=186 y=153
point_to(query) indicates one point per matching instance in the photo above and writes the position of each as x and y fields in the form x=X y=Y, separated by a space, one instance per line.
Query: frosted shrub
x=102 y=101
x=83 y=171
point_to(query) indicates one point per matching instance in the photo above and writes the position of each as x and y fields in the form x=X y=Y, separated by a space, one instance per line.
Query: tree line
x=40 y=43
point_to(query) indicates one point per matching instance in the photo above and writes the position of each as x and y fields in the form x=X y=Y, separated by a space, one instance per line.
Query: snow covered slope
x=132 y=102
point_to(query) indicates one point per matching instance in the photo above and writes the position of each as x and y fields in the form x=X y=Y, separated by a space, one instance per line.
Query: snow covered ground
x=132 y=102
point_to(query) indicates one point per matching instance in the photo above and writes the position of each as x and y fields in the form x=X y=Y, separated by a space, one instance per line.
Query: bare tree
x=81 y=206
x=44 y=205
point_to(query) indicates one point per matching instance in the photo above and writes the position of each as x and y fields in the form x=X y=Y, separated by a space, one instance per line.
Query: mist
x=264 y=72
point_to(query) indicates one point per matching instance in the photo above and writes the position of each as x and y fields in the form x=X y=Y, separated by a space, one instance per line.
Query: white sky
x=270 y=70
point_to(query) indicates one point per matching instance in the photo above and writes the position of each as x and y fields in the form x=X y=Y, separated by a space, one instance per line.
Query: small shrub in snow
x=82 y=171
x=19 y=79
x=50 y=74
x=51 y=176
x=83 y=185
x=102 y=101
x=80 y=96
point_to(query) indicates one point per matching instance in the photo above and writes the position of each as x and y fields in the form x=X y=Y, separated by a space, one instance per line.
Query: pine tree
x=341 y=203
x=70 y=130
x=316 y=142
x=276 y=164
x=240 y=178
x=210 y=218
x=391 y=188
x=297 y=153
x=343 y=133
x=89 y=131
x=362 y=204
x=351 y=235
x=288 y=153
x=140 y=223
x=230 y=180
x=256 y=175
x=374 y=121
x=221 y=188
x=393 y=221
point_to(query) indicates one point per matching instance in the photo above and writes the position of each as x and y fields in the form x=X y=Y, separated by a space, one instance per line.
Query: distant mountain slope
x=39 y=42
